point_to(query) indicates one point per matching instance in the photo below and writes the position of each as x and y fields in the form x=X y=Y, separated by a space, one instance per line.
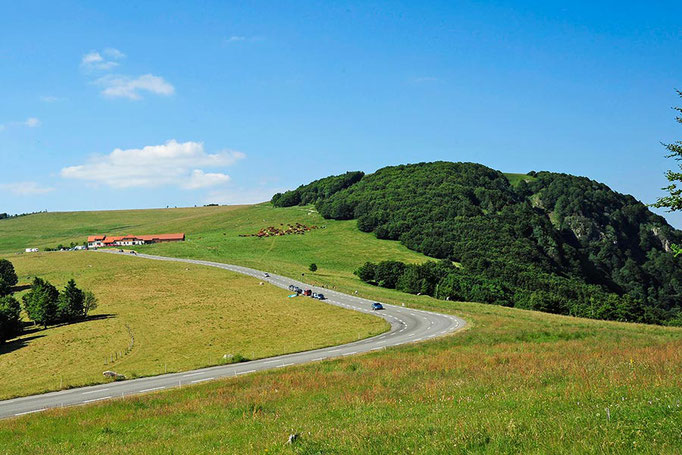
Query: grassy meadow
x=513 y=381
x=155 y=317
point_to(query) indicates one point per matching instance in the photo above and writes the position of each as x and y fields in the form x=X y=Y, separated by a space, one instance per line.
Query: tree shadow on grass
x=30 y=327
x=95 y=317
x=13 y=345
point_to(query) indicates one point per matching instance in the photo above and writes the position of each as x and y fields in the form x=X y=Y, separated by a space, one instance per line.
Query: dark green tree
x=312 y=267
x=71 y=303
x=366 y=272
x=673 y=201
x=7 y=273
x=41 y=302
x=10 y=318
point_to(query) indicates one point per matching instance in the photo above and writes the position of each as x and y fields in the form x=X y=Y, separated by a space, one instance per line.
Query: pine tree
x=40 y=303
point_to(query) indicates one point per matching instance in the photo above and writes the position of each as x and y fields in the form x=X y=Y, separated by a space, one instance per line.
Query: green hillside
x=545 y=241
x=515 y=381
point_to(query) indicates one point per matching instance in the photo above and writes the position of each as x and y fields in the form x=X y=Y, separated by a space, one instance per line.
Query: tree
x=70 y=305
x=312 y=267
x=367 y=272
x=40 y=303
x=7 y=273
x=10 y=318
x=673 y=201
x=89 y=302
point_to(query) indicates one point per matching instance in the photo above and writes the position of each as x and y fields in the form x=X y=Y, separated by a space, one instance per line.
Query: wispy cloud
x=31 y=122
x=121 y=85
x=234 y=39
x=128 y=87
x=25 y=188
x=169 y=164
x=103 y=61
x=424 y=79
x=51 y=99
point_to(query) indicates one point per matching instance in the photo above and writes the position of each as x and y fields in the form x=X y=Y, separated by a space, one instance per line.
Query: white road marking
x=97 y=399
x=95 y=391
x=285 y=365
x=29 y=412
x=152 y=389
x=246 y=372
x=193 y=374
x=350 y=353
x=201 y=380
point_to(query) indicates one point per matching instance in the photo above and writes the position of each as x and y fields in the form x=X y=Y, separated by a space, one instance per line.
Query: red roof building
x=97 y=241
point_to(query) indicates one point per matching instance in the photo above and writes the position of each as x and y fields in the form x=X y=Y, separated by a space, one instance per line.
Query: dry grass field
x=180 y=317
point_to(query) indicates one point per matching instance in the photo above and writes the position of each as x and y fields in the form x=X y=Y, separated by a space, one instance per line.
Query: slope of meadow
x=515 y=381
x=157 y=317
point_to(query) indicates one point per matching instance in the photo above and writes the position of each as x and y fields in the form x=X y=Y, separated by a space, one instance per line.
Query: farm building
x=98 y=241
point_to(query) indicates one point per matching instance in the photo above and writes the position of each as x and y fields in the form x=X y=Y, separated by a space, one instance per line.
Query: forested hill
x=546 y=241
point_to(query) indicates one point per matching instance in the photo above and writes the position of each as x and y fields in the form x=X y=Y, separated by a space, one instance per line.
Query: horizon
x=116 y=110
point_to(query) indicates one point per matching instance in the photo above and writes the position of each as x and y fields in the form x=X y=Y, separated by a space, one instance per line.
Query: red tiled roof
x=147 y=238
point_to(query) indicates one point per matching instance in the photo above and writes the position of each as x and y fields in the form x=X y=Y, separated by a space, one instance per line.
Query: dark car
x=377 y=306
x=319 y=296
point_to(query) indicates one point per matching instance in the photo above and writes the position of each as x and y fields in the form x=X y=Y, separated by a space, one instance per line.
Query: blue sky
x=149 y=104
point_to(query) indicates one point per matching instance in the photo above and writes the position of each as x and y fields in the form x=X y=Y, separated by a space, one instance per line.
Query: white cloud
x=200 y=179
x=172 y=163
x=122 y=85
x=25 y=188
x=95 y=61
x=113 y=53
x=127 y=87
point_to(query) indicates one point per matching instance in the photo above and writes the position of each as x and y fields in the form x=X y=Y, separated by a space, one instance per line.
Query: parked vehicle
x=319 y=296
x=296 y=289
x=266 y=275
x=308 y=292
x=377 y=306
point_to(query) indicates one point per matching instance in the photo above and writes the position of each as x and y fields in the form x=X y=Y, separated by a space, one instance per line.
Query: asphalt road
x=407 y=326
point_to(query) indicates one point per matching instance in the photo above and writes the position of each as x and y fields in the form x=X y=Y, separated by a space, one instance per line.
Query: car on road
x=377 y=306
x=318 y=296
x=308 y=293
x=266 y=275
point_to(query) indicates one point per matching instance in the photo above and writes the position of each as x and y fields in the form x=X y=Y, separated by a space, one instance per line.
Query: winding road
x=407 y=326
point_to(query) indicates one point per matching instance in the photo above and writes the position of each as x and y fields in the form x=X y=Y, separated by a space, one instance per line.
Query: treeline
x=317 y=190
x=443 y=280
x=4 y=216
x=553 y=241
x=43 y=303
